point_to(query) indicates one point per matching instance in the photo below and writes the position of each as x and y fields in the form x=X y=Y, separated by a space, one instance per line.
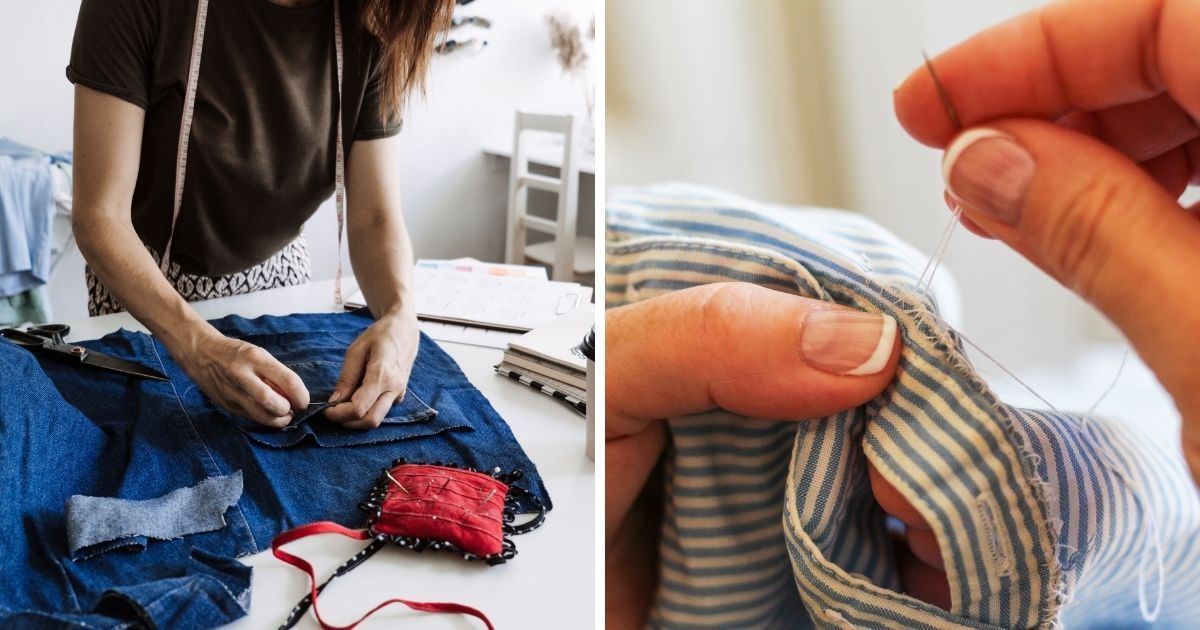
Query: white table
x=550 y=584
x=545 y=155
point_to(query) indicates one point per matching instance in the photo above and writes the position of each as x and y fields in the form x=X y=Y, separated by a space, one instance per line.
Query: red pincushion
x=444 y=504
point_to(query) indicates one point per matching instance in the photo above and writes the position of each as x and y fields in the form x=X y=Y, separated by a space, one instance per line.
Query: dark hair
x=406 y=30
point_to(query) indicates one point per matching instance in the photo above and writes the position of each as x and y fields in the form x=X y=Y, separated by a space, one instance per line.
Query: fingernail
x=847 y=342
x=988 y=172
x=951 y=203
x=335 y=397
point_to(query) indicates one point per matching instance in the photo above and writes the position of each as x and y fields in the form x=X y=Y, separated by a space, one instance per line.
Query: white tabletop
x=550 y=584
x=545 y=155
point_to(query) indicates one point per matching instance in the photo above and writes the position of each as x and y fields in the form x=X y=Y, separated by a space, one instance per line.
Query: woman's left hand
x=375 y=374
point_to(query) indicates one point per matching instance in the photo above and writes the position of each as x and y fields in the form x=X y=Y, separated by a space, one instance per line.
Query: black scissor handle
x=31 y=342
x=53 y=332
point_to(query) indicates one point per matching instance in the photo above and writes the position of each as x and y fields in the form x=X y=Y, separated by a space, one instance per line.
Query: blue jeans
x=66 y=430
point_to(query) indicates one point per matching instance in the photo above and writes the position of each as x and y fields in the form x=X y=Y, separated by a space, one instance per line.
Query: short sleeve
x=373 y=123
x=112 y=49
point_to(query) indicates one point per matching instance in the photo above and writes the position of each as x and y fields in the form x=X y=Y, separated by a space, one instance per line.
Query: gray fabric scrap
x=200 y=508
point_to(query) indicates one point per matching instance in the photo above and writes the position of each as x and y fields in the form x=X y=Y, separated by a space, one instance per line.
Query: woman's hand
x=243 y=378
x=375 y=374
x=735 y=346
x=1082 y=132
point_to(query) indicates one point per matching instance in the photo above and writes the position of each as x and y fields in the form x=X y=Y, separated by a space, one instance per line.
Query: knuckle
x=722 y=307
x=263 y=399
x=1075 y=236
x=376 y=368
x=389 y=375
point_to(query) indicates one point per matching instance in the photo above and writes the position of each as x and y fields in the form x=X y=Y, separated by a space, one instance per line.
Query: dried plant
x=567 y=40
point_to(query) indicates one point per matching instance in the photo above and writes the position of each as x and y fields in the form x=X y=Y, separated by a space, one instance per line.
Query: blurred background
x=791 y=102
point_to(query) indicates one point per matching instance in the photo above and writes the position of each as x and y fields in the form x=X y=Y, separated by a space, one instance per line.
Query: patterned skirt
x=289 y=267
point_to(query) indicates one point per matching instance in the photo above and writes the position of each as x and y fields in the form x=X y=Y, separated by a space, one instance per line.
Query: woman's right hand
x=242 y=378
x=1082 y=124
x=236 y=375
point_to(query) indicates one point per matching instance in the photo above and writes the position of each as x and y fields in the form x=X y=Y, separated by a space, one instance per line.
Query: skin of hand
x=1081 y=133
x=733 y=346
x=236 y=375
x=378 y=363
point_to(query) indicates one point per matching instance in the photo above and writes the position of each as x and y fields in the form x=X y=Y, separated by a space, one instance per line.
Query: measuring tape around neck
x=185 y=130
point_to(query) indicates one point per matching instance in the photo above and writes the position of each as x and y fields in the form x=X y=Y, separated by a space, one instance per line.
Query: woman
x=280 y=96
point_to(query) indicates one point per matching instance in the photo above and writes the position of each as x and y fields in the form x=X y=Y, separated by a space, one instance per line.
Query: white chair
x=568 y=254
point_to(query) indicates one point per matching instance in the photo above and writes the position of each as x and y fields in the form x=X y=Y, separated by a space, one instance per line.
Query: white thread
x=1107 y=390
x=1007 y=371
x=1149 y=616
x=939 y=251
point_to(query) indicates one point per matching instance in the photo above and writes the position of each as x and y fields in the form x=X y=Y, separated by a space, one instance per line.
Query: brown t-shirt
x=262 y=149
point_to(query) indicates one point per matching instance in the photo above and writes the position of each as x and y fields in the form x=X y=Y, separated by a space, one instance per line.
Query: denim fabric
x=66 y=431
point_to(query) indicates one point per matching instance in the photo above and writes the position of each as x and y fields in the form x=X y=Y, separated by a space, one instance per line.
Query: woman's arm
x=378 y=363
x=235 y=374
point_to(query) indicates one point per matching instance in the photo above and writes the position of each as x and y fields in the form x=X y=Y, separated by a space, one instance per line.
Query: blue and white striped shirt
x=1044 y=518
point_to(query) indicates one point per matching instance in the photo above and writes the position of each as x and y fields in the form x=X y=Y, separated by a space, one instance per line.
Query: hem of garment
x=182 y=267
x=124 y=94
x=377 y=133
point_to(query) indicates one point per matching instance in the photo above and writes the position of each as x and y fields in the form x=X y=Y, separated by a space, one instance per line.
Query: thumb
x=1099 y=224
x=735 y=346
x=744 y=348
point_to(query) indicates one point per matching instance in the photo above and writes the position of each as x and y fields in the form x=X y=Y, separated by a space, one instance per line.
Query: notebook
x=499 y=302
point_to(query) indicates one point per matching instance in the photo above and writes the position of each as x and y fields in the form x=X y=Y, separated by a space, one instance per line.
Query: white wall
x=701 y=91
x=454 y=196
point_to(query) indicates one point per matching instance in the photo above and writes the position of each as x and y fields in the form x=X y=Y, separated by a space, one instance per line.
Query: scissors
x=49 y=338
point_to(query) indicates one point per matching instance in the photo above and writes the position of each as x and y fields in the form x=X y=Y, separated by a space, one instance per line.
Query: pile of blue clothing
x=32 y=184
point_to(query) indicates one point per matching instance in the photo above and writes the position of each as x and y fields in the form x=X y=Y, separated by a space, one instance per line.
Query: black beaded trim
x=373 y=506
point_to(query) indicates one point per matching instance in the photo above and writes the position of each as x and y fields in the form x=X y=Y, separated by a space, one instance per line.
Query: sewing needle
x=937 y=84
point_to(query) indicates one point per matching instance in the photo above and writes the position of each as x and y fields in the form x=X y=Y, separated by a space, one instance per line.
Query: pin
x=389 y=476
x=485 y=500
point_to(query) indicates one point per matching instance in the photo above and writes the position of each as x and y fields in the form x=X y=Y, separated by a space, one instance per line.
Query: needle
x=937 y=84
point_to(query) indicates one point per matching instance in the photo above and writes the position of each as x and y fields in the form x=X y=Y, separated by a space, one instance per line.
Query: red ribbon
x=327 y=527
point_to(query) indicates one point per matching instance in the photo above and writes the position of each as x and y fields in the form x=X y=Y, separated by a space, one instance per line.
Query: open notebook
x=511 y=303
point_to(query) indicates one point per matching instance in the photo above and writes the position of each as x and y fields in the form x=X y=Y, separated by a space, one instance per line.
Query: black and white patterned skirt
x=289 y=267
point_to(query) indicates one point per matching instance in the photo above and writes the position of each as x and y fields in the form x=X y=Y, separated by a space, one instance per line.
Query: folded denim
x=67 y=432
x=1044 y=518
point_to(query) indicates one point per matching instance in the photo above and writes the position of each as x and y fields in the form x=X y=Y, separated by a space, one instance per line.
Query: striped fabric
x=1045 y=518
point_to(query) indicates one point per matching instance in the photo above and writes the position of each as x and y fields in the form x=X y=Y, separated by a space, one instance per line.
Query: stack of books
x=548 y=358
